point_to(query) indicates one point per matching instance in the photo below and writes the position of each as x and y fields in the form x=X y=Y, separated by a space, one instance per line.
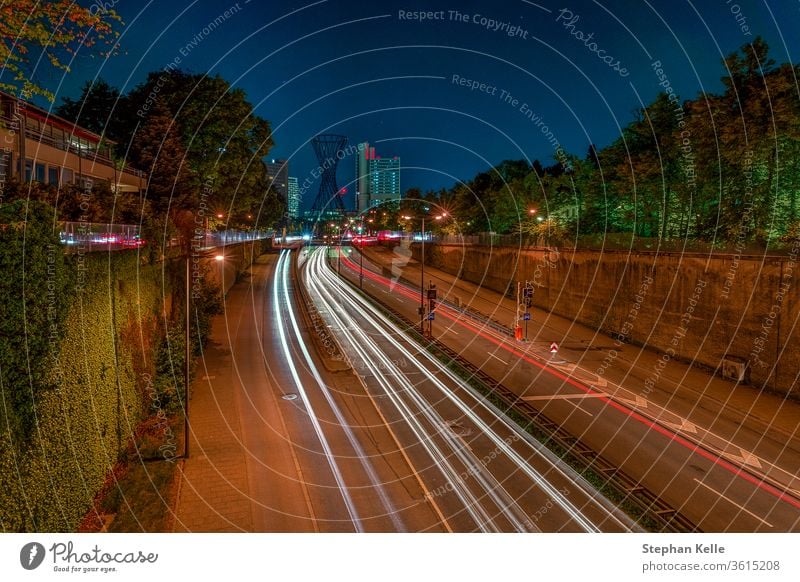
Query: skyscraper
x=377 y=179
x=278 y=176
x=293 y=200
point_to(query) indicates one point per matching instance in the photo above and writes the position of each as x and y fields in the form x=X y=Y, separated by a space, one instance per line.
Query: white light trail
x=380 y=324
x=391 y=510
x=278 y=313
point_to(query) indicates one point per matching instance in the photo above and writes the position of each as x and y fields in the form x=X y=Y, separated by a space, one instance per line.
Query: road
x=721 y=473
x=478 y=470
x=269 y=451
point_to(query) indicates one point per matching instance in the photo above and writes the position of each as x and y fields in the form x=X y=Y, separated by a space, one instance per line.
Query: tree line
x=723 y=169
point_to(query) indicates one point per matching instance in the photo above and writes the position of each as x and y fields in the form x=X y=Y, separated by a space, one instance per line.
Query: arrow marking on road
x=578 y=396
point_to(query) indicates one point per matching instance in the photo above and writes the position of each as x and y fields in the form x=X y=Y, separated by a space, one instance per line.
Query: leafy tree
x=224 y=140
x=98 y=109
x=158 y=150
x=53 y=29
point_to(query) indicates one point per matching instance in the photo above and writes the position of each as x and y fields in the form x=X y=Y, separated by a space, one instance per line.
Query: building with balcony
x=36 y=145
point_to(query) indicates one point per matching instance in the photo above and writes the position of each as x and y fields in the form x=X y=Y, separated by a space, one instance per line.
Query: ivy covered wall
x=72 y=368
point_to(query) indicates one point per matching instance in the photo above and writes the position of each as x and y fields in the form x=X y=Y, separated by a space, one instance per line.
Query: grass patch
x=140 y=492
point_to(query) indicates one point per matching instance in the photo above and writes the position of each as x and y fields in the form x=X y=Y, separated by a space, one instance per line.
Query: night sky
x=370 y=71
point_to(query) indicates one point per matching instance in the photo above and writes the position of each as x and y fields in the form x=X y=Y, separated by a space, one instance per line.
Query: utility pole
x=187 y=357
x=422 y=283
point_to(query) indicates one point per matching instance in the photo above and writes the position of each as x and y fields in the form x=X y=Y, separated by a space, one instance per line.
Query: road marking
x=578 y=396
x=639 y=402
x=496 y=358
x=684 y=426
x=746 y=458
x=733 y=502
x=568 y=398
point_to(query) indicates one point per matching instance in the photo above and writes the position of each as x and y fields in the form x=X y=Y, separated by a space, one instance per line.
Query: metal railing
x=83 y=237
x=92 y=155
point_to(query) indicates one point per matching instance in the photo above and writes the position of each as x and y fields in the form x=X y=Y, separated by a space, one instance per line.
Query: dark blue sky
x=363 y=70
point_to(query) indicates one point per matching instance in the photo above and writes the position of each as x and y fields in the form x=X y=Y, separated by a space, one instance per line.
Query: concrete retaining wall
x=238 y=258
x=690 y=307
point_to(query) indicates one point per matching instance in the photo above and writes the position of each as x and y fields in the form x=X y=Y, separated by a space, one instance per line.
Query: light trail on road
x=718 y=457
x=337 y=474
x=281 y=290
x=420 y=413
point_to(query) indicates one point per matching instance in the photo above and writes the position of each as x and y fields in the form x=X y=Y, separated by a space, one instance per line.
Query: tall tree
x=97 y=109
x=224 y=140
x=158 y=150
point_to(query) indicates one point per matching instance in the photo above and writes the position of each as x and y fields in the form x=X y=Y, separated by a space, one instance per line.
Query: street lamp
x=187 y=355
x=421 y=280
x=188 y=352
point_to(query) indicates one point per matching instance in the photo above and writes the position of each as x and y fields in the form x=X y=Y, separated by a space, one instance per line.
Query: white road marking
x=639 y=402
x=684 y=426
x=733 y=502
x=496 y=358
x=745 y=457
x=580 y=395
x=568 y=398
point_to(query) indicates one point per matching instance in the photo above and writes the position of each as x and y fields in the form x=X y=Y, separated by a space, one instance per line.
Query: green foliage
x=33 y=292
x=193 y=124
x=72 y=204
x=169 y=382
x=206 y=302
x=721 y=169
x=37 y=35
x=90 y=398
x=157 y=149
x=97 y=109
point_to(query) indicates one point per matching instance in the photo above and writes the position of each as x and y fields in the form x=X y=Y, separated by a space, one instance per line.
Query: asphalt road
x=479 y=471
x=723 y=472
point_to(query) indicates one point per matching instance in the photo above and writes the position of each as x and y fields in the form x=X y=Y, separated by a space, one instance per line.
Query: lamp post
x=361 y=256
x=188 y=352
x=187 y=355
x=422 y=283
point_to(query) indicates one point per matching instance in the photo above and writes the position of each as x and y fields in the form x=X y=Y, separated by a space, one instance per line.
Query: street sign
x=526 y=317
x=553 y=348
x=430 y=316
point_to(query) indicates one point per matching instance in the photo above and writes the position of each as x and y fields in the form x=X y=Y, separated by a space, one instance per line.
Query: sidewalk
x=213 y=494
x=679 y=382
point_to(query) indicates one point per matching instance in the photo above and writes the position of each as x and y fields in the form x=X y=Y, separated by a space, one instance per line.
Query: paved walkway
x=213 y=494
